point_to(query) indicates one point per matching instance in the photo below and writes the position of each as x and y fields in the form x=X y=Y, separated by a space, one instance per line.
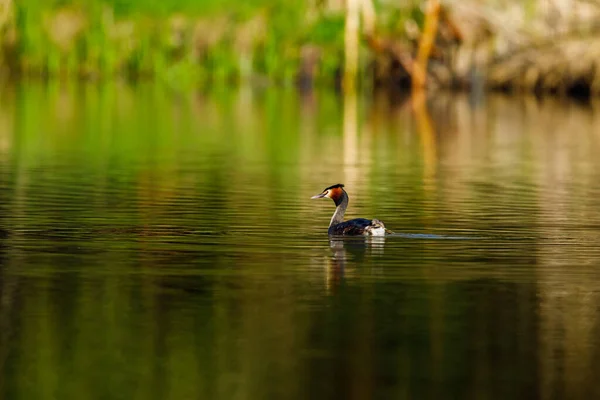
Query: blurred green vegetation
x=187 y=42
x=180 y=41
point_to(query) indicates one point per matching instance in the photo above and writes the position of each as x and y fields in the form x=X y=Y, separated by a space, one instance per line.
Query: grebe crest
x=357 y=226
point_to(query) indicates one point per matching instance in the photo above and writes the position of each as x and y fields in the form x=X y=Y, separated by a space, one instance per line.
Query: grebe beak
x=319 y=196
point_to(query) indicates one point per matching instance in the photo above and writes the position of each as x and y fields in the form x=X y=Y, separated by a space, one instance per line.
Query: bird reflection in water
x=347 y=252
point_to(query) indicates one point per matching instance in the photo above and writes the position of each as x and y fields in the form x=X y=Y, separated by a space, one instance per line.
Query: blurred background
x=538 y=45
x=157 y=237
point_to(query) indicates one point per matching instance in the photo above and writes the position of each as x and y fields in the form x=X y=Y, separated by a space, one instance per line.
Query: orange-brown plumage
x=336 y=194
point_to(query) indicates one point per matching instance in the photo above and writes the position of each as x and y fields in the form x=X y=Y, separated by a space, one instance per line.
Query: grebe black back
x=357 y=226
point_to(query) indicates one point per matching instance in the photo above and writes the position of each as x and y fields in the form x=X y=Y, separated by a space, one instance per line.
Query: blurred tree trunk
x=354 y=10
x=351 y=42
x=8 y=36
x=6 y=13
x=369 y=17
x=419 y=68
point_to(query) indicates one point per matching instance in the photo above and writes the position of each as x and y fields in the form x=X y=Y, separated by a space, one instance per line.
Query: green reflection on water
x=158 y=244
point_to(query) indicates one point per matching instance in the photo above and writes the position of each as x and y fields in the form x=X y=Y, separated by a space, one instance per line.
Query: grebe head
x=334 y=192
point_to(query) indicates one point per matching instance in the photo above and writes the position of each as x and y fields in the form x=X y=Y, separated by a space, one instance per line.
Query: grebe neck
x=342 y=204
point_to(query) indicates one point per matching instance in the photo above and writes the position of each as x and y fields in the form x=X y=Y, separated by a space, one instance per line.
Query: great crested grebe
x=357 y=226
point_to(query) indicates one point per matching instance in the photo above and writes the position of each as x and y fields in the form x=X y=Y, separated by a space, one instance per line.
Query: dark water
x=162 y=245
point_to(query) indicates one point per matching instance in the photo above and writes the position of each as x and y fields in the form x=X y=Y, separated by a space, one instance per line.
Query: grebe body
x=354 y=227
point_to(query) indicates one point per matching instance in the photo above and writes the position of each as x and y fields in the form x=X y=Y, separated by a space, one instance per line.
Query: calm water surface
x=163 y=245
